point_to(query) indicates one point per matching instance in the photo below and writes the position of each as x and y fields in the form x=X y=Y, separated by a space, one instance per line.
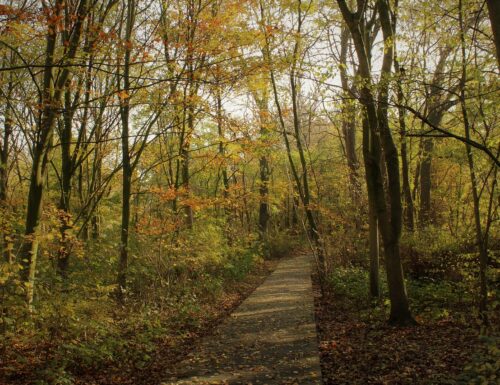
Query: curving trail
x=270 y=339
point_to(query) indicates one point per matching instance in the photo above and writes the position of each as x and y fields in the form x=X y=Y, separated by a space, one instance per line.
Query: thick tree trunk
x=425 y=211
x=391 y=233
x=125 y=223
x=389 y=220
x=494 y=12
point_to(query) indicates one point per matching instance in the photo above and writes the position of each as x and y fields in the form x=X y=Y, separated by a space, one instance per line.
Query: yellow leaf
x=123 y=95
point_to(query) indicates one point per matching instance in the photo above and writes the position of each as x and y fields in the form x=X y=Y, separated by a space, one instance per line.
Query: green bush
x=429 y=298
x=350 y=283
x=433 y=252
x=281 y=244
x=484 y=368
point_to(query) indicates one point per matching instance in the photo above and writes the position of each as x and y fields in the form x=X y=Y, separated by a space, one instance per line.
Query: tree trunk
x=301 y=181
x=50 y=103
x=7 y=244
x=389 y=222
x=436 y=107
x=222 y=150
x=480 y=238
x=371 y=156
x=494 y=12
x=126 y=162
x=66 y=177
x=425 y=210
x=349 y=124
x=264 y=171
x=400 y=312
x=409 y=210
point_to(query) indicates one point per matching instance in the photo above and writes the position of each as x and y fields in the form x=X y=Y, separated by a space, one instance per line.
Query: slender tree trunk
x=295 y=214
x=126 y=161
x=96 y=181
x=409 y=210
x=50 y=104
x=229 y=215
x=306 y=196
x=4 y=148
x=349 y=124
x=222 y=150
x=188 y=210
x=436 y=106
x=41 y=152
x=301 y=180
x=480 y=238
x=371 y=155
x=7 y=244
x=66 y=178
x=263 y=167
x=424 y=216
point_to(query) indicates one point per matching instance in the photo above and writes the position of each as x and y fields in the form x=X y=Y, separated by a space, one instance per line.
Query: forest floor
x=358 y=347
x=25 y=362
x=266 y=329
x=175 y=348
x=270 y=339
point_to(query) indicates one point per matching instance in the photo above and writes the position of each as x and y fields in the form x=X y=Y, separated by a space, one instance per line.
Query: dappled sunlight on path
x=269 y=339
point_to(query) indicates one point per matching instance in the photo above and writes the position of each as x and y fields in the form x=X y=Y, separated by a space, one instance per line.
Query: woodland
x=157 y=157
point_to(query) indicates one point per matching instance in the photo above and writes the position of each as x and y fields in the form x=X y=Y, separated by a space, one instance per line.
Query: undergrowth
x=176 y=286
x=435 y=303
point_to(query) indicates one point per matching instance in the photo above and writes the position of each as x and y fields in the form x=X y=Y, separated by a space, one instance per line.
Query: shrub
x=435 y=253
x=281 y=244
x=484 y=368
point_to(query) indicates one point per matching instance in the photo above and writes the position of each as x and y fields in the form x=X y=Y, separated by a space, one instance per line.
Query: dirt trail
x=269 y=339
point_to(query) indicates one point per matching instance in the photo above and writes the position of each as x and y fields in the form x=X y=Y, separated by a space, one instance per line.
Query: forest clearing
x=249 y=192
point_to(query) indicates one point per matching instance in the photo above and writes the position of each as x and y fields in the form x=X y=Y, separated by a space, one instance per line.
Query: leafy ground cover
x=358 y=347
x=136 y=348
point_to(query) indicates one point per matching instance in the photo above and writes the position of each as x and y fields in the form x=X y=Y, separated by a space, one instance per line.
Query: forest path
x=269 y=339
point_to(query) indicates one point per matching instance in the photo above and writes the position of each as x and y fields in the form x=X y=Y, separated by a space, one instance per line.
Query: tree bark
x=389 y=222
x=7 y=244
x=264 y=171
x=409 y=209
x=436 y=107
x=126 y=162
x=50 y=101
x=480 y=237
x=494 y=13
x=349 y=123
x=371 y=156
